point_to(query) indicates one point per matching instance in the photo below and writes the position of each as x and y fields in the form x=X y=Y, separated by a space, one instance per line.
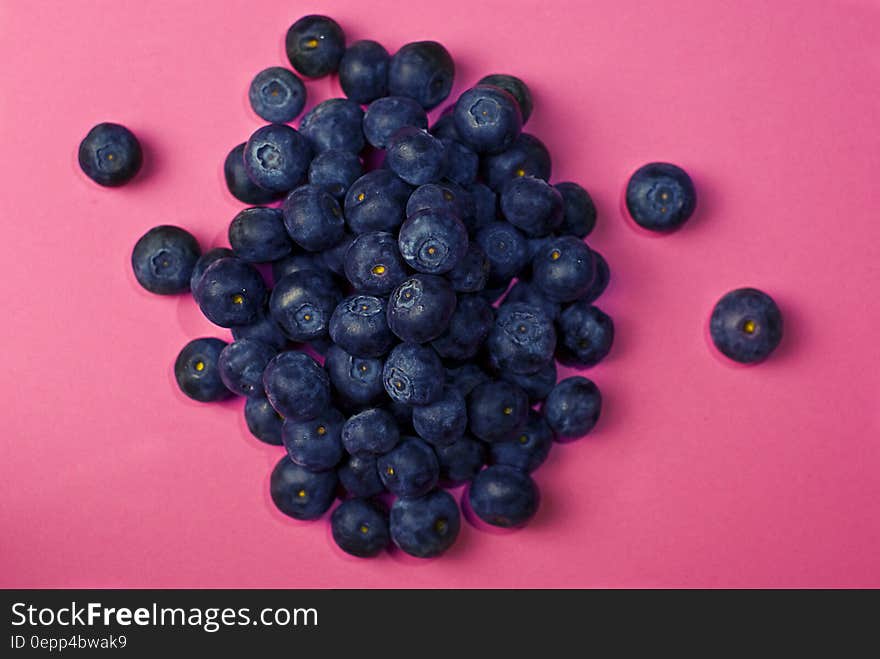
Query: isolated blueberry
x=461 y=460
x=303 y=302
x=263 y=328
x=503 y=496
x=363 y=71
x=413 y=374
x=496 y=409
x=334 y=257
x=532 y=205
x=537 y=385
x=240 y=185
x=416 y=156
x=315 y=45
x=526 y=450
x=197 y=373
x=360 y=528
x=485 y=204
x=356 y=380
x=563 y=269
x=296 y=385
x=468 y=328
x=231 y=292
x=376 y=202
x=359 y=476
x=410 y=469
x=110 y=155
x=746 y=325
x=513 y=86
x=420 y=308
x=523 y=338
x=277 y=95
x=313 y=218
x=315 y=444
x=385 y=116
x=257 y=235
x=242 y=364
x=585 y=335
x=334 y=124
x=443 y=421
x=422 y=70
x=600 y=281
x=487 y=119
x=262 y=420
x=506 y=250
x=335 y=170
x=526 y=156
x=204 y=261
x=433 y=241
x=372 y=431
x=466 y=377
x=300 y=493
x=163 y=259
x=523 y=291
x=573 y=408
x=360 y=327
x=579 y=215
x=373 y=263
x=660 y=196
x=471 y=273
x=276 y=157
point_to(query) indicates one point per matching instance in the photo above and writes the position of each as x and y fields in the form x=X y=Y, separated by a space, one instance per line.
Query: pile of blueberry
x=418 y=309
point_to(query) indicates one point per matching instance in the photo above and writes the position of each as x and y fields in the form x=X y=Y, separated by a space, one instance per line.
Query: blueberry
x=296 y=262
x=334 y=257
x=523 y=291
x=385 y=116
x=240 y=185
x=264 y=329
x=241 y=366
x=537 y=385
x=163 y=259
x=439 y=196
x=468 y=328
x=461 y=460
x=204 y=261
x=359 y=326
x=258 y=235
x=523 y=338
x=425 y=527
x=515 y=87
x=413 y=374
x=197 y=373
x=420 y=308
x=422 y=70
x=373 y=263
x=110 y=155
x=313 y=218
x=460 y=162
x=376 y=202
x=372 y=431
x=360 y=528
x=563 y=269
x=485 y=207
x=528 y=449
x=746 y=325
x=600 y=281
x=416 y=156
x=356 y=380
x=487 y=119
x=276 y=157
x=262 y=420
x=277 y=95
x=231 y=292
x=506 y=250
x=315 y=444
x=527 y=156
x=433 y=241
x=532 y=205
x=660 y=197
x=315 y=45
x=471 y=273
x=579 y=216
x=300 y=493
x=363 y=71
x=359 y=476
x=303 y=302
x=296 y=385
x=334 y=124
x=496 y=409
x=466 y=377
x=585 y=335
x=335 y=170
x=503 y=496
x=443 y=421
x=573 y=407
x=410 y=469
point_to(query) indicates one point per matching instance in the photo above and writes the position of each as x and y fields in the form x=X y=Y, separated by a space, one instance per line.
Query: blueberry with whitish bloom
x=372 y=431
x=110 y=155
x=420 y=308
x=357 y=381
x=413 y=374
x=277 y=157
x=572 y=408
x=416 y=156
x=426 y=526
x=410 y=469
x=385 y=116
x=660 y=197
x=303 y=302
x=523 y=338
x=360 y=327
x=334 y=124
x=163 y=259
x=443 y=421
x=503 y=496
x=316 y=443
x=277 y=95
x=296 y=385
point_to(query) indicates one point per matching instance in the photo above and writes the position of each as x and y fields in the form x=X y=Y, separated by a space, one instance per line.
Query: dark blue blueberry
x=579 y=216
x=746 y=325
x=523 y=291
x=257 y=235
x=163 y=259
x=300 y=493
x=443 y=421
x=422 y=70
x=468 y=328
x=537 y=385
x=523 y=338
x=504 y=496
x=466 y=377
x=487 y=119
x=506 y=250
x=303 y=302
x=231 y=292
x=264 y=329
x=439 y=196
x=420 y=308
x=660 y=197
x=563 y=269
x=334 y=257
x=277 y=158
x=242 y=364
x=410 y=469
x=315 y=444
x=335 y=171
x=528 y=449
x=240 y=185
x=496 y=410
x=262 y=420
x=360 y=528
x=373 y=263
x=373 y=431
x=585 y=335
x=360 y=327
x=485 y=207
x=460 y=163
x=110 y=155
x=527 y=156
x=600 y=281
x=376 y=202
x=359 y=476
x=334 y=124
x=532 y=205
x=425 y=527
x=277 y=95
x=296 y=385
x=296 y=262
x=433 y=241
x=356 y=380
x=515 y=87
x=535 y=245
x=385 y=116
x=573 y=408
x=444 y=127
x=363 y=71
x=416 y=156
x=461 y=460
x=204 y=261
x=413 y=374
x=197 y=372
x=315 y=45
x=471 y=273
x=313 y=218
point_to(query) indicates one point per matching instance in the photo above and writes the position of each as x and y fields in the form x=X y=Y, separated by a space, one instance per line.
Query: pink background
x=699 y=474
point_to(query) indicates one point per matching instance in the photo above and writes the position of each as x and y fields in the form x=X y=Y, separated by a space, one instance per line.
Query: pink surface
x=699 y=474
